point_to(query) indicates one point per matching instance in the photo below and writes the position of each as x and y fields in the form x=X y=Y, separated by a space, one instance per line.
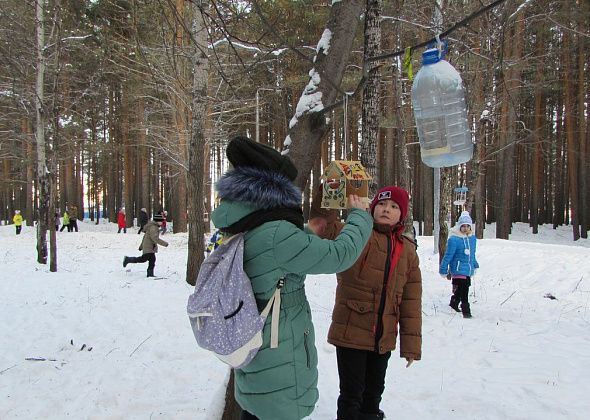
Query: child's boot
x=466 y=310
x=127 y=260
x=377 y=416
x=454 y=303
x=150 y=272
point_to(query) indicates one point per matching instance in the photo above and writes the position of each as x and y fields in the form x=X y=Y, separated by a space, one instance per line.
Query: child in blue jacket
x=460 y=262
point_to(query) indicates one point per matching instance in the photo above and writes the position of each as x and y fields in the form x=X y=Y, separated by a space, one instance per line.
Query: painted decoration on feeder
x=438 y=101
x=460 y=196
x=342 y=178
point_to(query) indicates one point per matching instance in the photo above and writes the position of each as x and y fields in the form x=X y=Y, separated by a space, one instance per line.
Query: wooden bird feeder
x=342 y=178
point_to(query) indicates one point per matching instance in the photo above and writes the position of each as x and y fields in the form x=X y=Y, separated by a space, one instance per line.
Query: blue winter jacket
x=460 y=256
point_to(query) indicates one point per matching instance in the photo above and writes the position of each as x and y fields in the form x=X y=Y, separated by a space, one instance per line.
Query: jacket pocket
x=362 y=307
x=306 y=346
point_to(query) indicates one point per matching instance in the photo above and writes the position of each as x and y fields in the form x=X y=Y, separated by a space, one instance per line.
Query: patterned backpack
x=223 y=311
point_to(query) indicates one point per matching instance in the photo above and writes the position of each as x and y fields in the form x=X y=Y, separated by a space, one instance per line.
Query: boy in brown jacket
x=381 y=291
x=149 y=245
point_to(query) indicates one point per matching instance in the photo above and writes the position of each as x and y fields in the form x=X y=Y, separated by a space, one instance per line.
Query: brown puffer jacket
x=368 y=311
x=151 y=238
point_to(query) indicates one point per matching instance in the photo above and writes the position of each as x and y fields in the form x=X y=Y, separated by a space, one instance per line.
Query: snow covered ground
x=96 y=341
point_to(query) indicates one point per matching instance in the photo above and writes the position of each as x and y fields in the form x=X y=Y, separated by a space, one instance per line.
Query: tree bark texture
x=196 y=149
x=309 y=126
x=371 y=94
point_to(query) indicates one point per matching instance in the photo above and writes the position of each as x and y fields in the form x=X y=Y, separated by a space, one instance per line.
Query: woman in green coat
x=258 y=197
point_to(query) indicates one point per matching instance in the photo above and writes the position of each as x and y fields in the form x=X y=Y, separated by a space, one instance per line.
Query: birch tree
x=43 y=179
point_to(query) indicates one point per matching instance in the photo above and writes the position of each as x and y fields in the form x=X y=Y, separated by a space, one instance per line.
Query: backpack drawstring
x=275 y=303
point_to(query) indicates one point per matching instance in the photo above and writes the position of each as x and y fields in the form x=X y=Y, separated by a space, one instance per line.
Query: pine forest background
x=135 y=89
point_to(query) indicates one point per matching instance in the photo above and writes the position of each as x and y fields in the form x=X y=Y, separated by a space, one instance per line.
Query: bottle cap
x=430 y=56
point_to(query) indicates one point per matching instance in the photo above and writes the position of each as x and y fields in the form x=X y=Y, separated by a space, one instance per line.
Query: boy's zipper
x=379 y=326
x=305 y=345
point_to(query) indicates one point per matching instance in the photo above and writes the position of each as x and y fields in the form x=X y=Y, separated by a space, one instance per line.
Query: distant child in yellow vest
x=18 y=221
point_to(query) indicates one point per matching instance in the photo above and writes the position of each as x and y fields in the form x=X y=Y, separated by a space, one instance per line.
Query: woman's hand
x=355 y=202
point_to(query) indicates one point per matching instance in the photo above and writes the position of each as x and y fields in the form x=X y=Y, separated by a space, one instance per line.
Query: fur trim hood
x=265 y=189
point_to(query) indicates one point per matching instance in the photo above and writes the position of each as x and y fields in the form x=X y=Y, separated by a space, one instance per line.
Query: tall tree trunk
x=371 y=94
x=444 y=208
x=558 y=203
x=572 y=150
x=508 y=135
x=43 y=182
x=143 y=197
x=128 y=157
x=583 y=126
x=30 y=173
x=196 y=152
x=537 y=178
x=585 y=146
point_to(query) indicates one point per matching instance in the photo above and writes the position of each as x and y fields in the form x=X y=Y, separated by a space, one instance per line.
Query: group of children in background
x=142 y=220
x=70 y=219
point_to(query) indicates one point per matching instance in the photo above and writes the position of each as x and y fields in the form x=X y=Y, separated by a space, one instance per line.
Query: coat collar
x=262 y=188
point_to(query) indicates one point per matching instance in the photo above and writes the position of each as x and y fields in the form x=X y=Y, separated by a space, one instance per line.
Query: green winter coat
x=281 y=383
x=66 y=218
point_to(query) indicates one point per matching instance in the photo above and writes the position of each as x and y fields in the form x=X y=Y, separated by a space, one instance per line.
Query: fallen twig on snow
x=2 y=371
x=507 y=298
x=140 y=345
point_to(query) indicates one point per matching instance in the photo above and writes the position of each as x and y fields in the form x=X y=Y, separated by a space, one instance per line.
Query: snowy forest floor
x=97 y=341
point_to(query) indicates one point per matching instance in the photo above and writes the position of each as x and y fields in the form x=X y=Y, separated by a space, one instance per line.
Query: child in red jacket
x=121 y=221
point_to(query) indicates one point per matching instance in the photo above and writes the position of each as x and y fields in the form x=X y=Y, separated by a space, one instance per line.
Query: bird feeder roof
x=348 y=169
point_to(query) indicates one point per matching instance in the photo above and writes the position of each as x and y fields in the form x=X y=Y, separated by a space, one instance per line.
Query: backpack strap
x=275 y=303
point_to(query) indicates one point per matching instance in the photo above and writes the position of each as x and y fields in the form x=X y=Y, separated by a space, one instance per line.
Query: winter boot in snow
x=126 y=261
x=373 y=416
x=150 y=272
x=466 y=310
x=454 y=303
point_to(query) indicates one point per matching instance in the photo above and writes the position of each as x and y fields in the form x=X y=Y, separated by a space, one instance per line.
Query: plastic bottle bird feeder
x=342 y=178
x=460 y=196
x=438 y=101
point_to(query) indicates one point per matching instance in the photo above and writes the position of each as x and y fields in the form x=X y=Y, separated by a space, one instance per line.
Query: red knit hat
x=397 y=194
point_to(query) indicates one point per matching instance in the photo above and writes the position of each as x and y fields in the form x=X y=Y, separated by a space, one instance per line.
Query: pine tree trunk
x=128 y=157
x=536 y=184
x=558 y=203
x=583 y=174
x=572 y=150
x=508 y=135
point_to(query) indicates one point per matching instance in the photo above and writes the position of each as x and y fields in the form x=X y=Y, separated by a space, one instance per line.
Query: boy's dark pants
x=247 y=416
x=362 y=382
x=18 y=229
x=150 y=257
x=461 y=293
